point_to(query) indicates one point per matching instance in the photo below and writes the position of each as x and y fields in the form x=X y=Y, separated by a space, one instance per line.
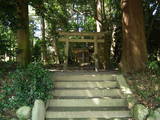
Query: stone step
x=83 y=73
x=91 y=119
x=88 y=114
x=53 y=108
x=88 y=93
x=86 y=96
x=88 y=102
x=70 y=85
x=83 y=77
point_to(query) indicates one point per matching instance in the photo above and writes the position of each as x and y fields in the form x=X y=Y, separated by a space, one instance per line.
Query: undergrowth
x=22 y=86
x=146 y=85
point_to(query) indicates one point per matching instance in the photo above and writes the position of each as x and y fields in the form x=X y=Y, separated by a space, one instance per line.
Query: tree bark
x=43 y=45
x=134 y=51
x=103 y=48
x=99 y=15
x=24 y=48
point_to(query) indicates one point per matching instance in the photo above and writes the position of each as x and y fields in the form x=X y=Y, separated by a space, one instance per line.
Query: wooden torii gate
x=83 y=37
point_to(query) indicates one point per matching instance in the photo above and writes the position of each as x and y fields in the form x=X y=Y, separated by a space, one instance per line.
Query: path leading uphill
x=87 y=96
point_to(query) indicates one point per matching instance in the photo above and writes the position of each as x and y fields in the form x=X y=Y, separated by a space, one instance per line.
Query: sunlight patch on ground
x=126 y=90
x=89 y=93
x=96 y=101
x=93 y=75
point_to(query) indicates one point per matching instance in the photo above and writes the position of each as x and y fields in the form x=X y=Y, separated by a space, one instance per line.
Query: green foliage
x=8 y=13
x=154 y=66
x=36 y=51
x=24 y=86
x=7 y=42
x=36 y=47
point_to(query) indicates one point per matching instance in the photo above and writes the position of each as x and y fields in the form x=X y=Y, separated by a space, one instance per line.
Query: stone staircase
x=87 y=96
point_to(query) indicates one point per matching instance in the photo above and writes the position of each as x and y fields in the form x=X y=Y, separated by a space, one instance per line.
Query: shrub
x=154 y=66
x=26 y=85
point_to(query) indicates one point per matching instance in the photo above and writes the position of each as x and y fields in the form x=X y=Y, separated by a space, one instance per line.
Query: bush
x=154 y=66
x=26 y=85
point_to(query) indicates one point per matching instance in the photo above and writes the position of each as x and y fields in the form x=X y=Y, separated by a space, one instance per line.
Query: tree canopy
x=70 y=15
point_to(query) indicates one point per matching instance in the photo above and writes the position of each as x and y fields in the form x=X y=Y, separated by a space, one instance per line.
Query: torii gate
x=94 y=37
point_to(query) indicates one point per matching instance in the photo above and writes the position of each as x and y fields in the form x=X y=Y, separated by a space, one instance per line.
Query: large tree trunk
x=24 y=48
x=134 y=52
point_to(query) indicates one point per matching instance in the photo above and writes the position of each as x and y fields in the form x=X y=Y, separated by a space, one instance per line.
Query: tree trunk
x=43 y=45
x=134 y=52
x=103 y=48
x=99 y=15
x=24 y=48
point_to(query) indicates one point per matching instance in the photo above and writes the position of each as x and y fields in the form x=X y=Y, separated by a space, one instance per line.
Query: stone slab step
x=88 y=93
x=89 y=114
x=107 y=84
x=89 y=119
x=88 y=103
x=50 y=108
x=83 y=73
x=84 y=77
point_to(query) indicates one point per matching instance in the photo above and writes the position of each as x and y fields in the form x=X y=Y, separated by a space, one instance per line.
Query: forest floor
x=146 y=88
